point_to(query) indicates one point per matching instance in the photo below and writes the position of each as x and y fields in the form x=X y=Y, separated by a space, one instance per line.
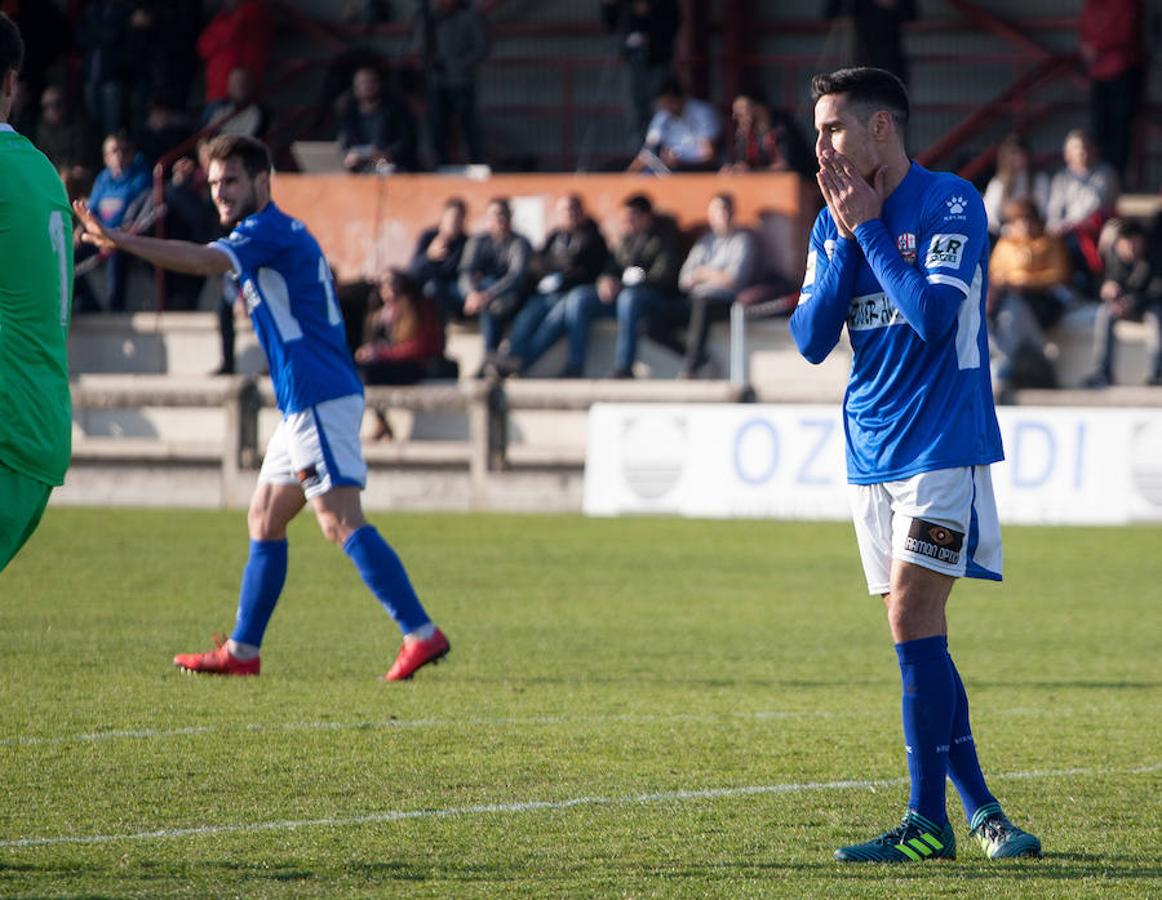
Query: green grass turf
x=596 y=661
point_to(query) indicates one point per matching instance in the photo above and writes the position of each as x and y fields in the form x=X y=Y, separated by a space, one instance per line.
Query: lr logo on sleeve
x=946 y=250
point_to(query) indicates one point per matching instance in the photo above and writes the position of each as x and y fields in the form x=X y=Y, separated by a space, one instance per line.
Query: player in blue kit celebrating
x=314 y=454
x=900 y=257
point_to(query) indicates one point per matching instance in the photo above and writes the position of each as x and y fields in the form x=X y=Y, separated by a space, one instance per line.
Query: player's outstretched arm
x=176 y=256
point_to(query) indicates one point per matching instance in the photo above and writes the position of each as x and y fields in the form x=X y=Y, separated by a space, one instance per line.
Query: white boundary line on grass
x=535 y=806
x=388 y=724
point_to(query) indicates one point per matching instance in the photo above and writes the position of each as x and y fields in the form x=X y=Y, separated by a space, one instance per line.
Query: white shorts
x=944 y=520
x=318 y=448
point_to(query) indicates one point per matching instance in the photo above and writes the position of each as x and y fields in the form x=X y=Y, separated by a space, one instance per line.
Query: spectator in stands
x=403 y=338
x=189 y=216
x=103 y=33
x=763 y=139
x=1110 y=41
x=681 y=136
x=452 y=39
x=566 y=271
x=124 y=178
x=1132 y=290
x=165 y=128
x=493 y=273
x=435 y=264
x=237 y=37
x=1082 y=196
x=641 y=282
x=239 y=112
x=1028 y=291
x=64 y=136
x=721 y=264
x=376 y=132
x=876 y=29
x=1015 y=179
x=47 y=37
x=648 y=31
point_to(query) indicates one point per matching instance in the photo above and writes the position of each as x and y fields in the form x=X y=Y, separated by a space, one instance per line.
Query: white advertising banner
x=1062 y=465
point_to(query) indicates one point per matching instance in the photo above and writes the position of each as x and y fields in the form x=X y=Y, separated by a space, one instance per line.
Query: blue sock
x=963 y=766
x=929 y=701
x=262 y=582
x=382 y=571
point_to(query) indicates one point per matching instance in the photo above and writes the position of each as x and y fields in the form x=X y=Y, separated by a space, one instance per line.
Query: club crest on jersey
x=906 y=244
x=829 y=248
x=945 y=250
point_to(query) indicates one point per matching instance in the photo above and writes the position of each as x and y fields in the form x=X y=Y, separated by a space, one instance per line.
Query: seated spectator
x=124 y=178
x=641 y=282
x=63 y=136
x=1015 y=179
x=722 y=263
x=239 y=112
x=763 y=139
x=403 y=338
x=165 y=128
x=435 y=264
x=681 y=136
x=238 y=36
x=493 y=274
x=1082 y=196
x=375 y=131
x=1028 y=291
x=1132 y=290
x=566 y=271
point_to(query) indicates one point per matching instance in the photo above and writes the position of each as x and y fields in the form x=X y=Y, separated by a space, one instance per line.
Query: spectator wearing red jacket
x=237 y=37
x=1110 y=42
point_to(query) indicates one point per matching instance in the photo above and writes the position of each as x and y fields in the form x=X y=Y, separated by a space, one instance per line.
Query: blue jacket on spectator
x=111 y=195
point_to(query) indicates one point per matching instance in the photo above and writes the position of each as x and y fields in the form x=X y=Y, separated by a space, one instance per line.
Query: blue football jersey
x=291 y=300
x=910 y=289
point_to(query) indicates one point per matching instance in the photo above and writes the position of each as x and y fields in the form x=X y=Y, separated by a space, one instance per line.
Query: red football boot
x=217 y=661
x=415 y=654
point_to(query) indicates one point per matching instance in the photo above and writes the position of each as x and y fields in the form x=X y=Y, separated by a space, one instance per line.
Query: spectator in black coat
x=876 y=31
x=435 y=264
x=375 y=130
x=648 y=30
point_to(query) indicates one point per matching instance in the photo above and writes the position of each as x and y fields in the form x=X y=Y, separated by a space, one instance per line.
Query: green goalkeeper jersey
x=36 y=288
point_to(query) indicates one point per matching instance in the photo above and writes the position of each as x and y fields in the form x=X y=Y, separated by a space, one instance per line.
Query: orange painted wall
x=366 y=223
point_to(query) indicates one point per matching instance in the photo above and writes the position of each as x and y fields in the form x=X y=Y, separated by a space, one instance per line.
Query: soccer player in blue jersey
x=899 y=256
x=314 y=455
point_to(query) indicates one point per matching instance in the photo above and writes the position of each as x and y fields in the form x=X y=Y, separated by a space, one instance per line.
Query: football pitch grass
x=635 y=707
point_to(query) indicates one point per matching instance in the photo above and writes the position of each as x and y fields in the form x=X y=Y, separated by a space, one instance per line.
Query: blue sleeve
x=825 y=298
x=248 y=248
x=953 y=234
x=929 y=308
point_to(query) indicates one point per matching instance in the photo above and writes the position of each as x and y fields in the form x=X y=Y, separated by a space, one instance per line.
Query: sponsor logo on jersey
x=955 y=205
x=945 y=251
x=872 y=311
x=906 y=244
x=829 y=248
x=308 y=477
x=250 y=295
x=934 y=541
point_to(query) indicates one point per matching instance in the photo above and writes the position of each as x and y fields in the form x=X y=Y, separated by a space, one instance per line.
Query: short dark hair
x=726 y=199
x=671 y=87
x=456 y=203
x=11 y=46
x=1131 y=230
x=639 y=203
x=872 y=89
x=251 y=152
x=502 y=204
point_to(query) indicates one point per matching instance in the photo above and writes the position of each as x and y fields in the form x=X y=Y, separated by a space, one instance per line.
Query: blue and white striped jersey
x=291 y=299
x=910 y=289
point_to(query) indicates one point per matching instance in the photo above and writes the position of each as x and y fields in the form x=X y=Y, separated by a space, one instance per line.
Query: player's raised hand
x=93 y=231
x=855 y=200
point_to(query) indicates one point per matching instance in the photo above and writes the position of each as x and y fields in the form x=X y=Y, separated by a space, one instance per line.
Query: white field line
x=498 y=722
x=388 y=724
x=537 y=805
